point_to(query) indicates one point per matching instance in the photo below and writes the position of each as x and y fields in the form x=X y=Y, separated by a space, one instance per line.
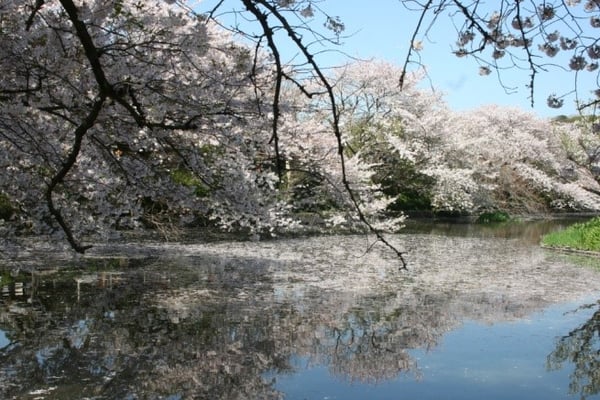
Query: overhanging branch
x=69 y=162
x=297 y=40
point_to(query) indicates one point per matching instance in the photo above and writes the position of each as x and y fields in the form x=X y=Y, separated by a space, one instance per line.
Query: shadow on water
x=239 y=320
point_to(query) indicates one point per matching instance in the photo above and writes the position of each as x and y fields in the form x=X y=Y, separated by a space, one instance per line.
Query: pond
x=481 y=313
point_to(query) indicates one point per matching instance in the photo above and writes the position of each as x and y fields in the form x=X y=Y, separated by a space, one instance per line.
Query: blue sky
x=383 y=28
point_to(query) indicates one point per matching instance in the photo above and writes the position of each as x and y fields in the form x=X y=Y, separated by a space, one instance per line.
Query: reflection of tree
x=212 y=327
x=370 y=343
x=581 y=347
x=369 y=350
x=123 y=342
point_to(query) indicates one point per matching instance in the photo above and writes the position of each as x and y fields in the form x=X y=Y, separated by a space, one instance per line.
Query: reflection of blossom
x=215 y=324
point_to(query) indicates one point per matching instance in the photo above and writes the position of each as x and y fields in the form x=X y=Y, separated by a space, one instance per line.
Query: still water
x=481 y=313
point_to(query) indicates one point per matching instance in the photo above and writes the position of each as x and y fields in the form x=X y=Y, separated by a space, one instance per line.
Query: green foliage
x=401 y=178
x=305 y=191
x=580 y=236
x=397 y=176
x=187 y=178
x=6 y=278
x=575 y=118
x=493 y=217
x=6 y=208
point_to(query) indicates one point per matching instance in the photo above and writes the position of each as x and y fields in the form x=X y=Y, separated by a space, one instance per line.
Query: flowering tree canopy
x=121 y=113
x=429 y=158
x=116 y=109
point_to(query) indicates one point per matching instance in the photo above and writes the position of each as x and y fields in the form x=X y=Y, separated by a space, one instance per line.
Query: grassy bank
x=581 y=236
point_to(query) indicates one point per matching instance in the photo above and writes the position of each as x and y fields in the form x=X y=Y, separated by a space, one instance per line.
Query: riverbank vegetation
x=581 y=236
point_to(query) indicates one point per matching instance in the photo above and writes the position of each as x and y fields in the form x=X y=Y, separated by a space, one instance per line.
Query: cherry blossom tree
x=393 y=129
x=313 y=172
x=117 y=112
x=531 y=174
x=120 y=113
x=492 y=158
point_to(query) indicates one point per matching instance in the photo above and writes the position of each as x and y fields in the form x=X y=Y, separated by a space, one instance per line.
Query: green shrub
x=493 y=216
x=6 y=208
x=187 y=178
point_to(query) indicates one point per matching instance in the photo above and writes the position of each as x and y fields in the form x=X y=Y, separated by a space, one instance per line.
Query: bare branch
x=268 y=31
x=413 y=40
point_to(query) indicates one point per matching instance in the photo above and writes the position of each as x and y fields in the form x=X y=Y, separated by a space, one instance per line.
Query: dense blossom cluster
x=120 y=114
x=181 y=131
x=491 y=158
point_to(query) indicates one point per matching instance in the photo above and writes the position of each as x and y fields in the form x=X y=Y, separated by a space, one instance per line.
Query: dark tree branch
x=268 y=32
x=81 y=130
x=91 y=52
x=70 y=161
x=532 y=66
x=474 y=23
x=412 y=42
x=38 y=5
x=334 y=113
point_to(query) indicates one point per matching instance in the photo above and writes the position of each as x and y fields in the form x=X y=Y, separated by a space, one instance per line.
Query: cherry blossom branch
x=334 y=113
x=121 y=93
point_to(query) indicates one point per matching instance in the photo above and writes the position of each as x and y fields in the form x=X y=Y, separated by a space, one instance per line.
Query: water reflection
x=133 y=340
x=225 y=320
x=581 y=347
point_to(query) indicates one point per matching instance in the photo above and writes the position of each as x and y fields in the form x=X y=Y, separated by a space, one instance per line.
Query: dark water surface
x=481 y=314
